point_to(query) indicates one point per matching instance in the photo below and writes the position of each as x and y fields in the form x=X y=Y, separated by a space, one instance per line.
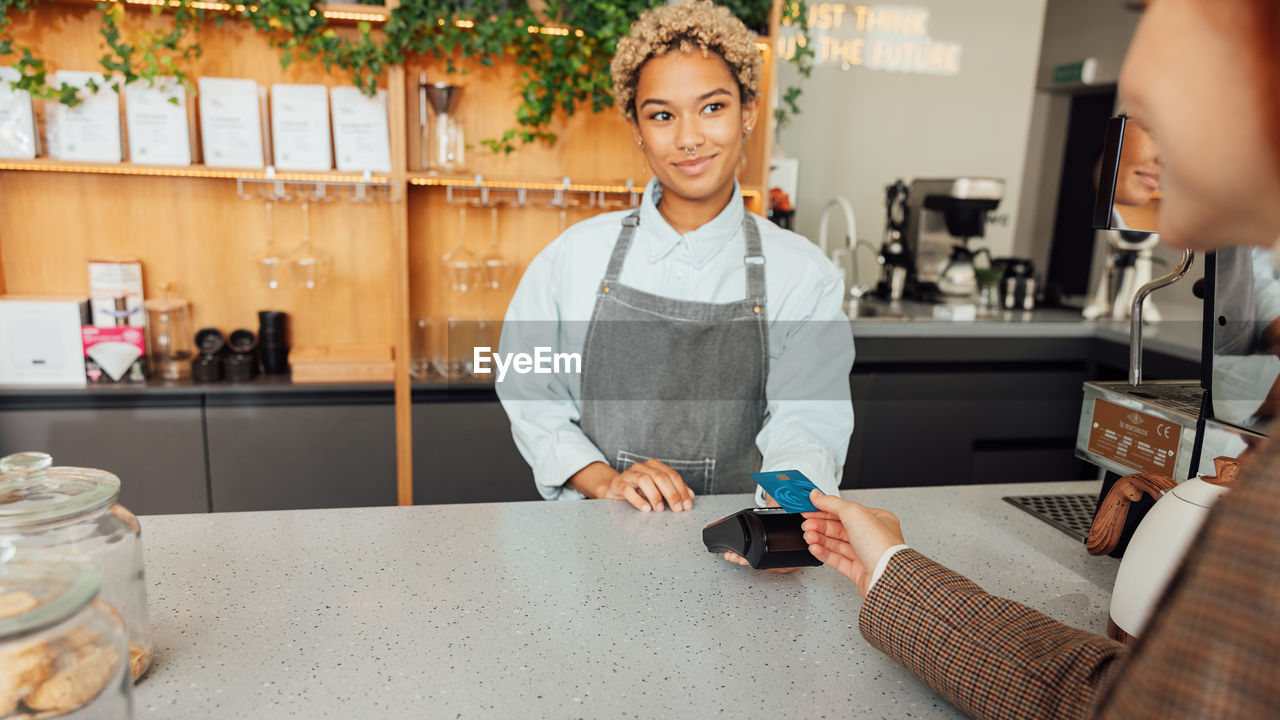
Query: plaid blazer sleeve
x=990 y=657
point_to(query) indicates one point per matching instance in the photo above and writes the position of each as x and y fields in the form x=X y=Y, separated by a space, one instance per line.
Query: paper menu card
x=360 y=136
x=230 y=126
x=90 y=131
x=17 y=121
x=156 y=117
x=300 y=127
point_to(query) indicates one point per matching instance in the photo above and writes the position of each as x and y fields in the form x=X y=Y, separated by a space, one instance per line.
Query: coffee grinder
x=944 y=215
x=895 y=262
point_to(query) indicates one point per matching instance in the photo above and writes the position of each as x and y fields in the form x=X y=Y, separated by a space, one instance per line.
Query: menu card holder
x=90 y=131
x=156 y=117
x=300 y=127
x=230 y=128
x=360 y=137
x=17 y=120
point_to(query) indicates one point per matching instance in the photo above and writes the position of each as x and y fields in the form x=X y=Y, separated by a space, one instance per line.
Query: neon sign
x=889 y=38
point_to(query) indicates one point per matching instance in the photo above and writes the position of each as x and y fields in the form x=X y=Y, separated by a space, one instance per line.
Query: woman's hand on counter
x=649 y=485
x=850 y=537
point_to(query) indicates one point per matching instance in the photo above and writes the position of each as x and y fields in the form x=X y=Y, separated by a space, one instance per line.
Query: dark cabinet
x=957 y=410
x=157 y=451
x=284 y=454
x=463 y=452
x=956 y=427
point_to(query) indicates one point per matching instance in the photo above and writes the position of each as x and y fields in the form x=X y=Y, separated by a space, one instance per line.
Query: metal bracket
x=1135 y=327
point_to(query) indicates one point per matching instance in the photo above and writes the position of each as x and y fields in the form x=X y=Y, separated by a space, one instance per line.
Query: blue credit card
x=790 y=488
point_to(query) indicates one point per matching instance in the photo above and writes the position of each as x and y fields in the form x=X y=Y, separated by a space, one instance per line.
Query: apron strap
x=754 y=259
x=620 y=247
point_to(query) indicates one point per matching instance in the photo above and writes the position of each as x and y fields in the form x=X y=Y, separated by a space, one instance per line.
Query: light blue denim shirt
x=809 y=413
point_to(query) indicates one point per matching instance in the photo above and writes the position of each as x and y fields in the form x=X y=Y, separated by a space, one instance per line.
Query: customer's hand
x=850 y=537
x=734 y=557
x=650 y=485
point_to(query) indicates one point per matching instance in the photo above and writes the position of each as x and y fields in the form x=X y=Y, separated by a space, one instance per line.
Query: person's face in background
x=1138 y=176
x=1189 y=80
x=686 y=100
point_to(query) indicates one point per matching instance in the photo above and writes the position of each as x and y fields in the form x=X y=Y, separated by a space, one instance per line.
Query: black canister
x=242 y=364
x=273 y=341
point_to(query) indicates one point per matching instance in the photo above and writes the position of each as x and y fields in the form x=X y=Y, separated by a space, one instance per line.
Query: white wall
x=1075 y=30
x=1079 y=29
x=861 y=129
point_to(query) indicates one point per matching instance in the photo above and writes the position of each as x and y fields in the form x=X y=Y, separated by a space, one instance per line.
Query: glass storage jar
x=63 y=652
x=74 y=510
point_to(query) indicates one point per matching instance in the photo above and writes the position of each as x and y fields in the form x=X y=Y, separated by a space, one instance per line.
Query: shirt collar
x=660 y=239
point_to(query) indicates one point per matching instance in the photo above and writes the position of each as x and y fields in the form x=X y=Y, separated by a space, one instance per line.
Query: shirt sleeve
x=810 y=414
x=543 y=408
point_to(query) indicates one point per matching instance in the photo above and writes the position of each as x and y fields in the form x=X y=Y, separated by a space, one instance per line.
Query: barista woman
x=713 y=343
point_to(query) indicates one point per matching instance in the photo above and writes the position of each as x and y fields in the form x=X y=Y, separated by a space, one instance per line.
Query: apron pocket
x=699 y=475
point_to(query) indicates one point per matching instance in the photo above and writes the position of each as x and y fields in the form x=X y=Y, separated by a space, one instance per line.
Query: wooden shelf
x=185 y=171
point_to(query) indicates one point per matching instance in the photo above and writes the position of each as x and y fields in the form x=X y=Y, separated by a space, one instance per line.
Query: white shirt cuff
x=884 y=563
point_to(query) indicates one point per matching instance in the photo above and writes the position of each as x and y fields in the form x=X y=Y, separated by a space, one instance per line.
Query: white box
x=360 y=137
x=17 y=121
x=90 y=131
x=115 y=292
x=300 y=127
x=40 y=341
x=156 y=116
x=230 y=124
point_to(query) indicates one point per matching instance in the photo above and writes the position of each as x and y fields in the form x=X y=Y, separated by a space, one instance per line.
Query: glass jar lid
x=33 y=491
x=40 y=588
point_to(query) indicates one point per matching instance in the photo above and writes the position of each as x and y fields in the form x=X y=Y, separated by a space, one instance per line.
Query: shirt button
x=679 y=274
x=684 y=247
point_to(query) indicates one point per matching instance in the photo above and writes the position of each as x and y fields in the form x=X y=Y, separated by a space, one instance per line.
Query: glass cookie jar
x=74 y=510
x=63 y=652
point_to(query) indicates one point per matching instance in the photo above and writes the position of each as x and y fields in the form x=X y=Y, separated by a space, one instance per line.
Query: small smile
x=695 y=166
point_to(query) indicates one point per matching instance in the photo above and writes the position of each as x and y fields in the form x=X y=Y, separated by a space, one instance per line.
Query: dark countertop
x=905 y=320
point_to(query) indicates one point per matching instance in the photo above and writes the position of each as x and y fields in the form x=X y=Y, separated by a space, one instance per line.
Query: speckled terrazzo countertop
x=557 y=610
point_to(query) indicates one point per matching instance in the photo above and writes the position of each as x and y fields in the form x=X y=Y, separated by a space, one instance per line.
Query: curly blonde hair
x=689 y=26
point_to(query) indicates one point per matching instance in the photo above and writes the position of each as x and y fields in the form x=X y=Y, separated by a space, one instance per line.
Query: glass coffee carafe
x=169 y=324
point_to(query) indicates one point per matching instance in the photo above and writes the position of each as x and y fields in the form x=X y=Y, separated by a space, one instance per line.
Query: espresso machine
x=1170 y=449
x=943 y=216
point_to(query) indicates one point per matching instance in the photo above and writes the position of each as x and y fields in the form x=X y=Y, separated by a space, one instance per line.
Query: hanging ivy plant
x=562 y=70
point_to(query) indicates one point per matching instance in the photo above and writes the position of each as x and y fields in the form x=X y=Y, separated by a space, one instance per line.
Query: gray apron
x=678 y=381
